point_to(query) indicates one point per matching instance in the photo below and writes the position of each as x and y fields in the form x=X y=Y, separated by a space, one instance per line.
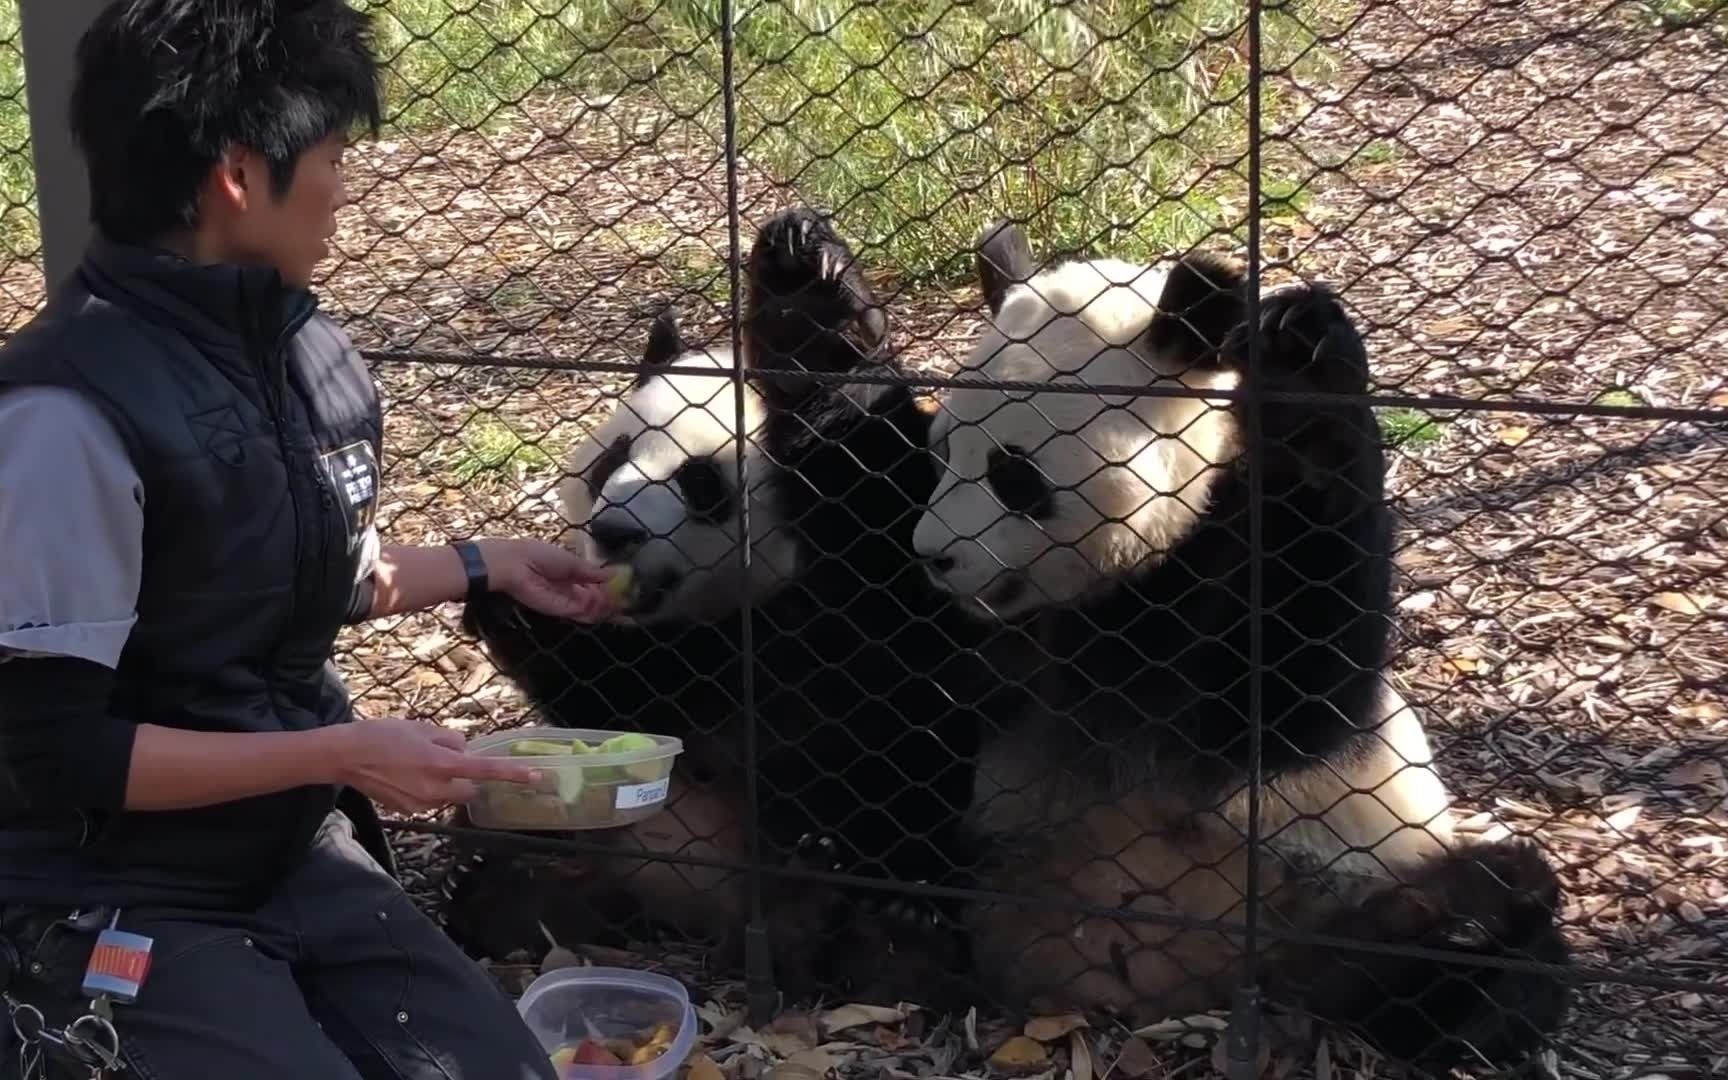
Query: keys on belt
x=118 y=966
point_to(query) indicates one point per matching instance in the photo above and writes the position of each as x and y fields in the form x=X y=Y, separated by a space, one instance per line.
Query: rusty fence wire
x=1522 y=210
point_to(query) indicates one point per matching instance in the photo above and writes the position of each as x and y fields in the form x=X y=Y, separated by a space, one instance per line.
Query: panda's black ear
x=1004 y=261
x=665 y=342
x=1204 y=298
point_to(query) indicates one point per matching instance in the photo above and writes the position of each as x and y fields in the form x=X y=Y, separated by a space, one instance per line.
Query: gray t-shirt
x=71 y=529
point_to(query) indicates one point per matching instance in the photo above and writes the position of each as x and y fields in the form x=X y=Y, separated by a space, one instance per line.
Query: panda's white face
x=656 y=486
x=1046 y=493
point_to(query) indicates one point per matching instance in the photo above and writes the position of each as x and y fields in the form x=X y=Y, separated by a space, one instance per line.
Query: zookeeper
x=189 y=460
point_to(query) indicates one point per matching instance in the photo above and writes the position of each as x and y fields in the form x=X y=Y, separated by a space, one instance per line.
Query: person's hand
x=551 y=579
x=409 y=766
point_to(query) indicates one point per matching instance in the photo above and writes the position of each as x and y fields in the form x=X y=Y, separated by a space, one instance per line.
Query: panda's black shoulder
x=1201 y=306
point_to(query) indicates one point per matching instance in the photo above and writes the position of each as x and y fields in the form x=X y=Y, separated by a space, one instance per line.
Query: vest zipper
x=315 y=466
x=275 y=384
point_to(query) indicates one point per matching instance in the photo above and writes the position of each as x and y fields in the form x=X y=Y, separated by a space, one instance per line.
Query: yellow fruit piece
x=629 y=740
x=621 y=583
x=539 y=747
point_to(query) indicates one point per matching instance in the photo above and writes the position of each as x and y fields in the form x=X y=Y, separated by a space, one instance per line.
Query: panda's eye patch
x=1018 y=483
x=707 y=493
x=602 y=468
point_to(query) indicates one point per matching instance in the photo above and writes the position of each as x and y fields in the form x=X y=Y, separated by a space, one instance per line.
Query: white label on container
x=636 y=796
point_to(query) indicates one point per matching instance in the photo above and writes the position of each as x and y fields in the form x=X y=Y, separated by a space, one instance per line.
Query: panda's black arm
x=1171 y=684
x=669 y=680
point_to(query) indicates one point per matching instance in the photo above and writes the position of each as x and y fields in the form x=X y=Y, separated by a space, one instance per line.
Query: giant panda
x=862 y=752
x=1110 y=535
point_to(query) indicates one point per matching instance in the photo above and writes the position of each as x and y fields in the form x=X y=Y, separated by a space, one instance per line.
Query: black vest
x=256 y=431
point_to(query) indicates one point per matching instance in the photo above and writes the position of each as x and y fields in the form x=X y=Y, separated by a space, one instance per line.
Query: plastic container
x=576 y=790
x=566 y=1006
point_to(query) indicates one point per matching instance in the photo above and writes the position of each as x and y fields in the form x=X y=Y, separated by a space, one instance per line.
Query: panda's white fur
x=633 y=474
x=1134 y=470
x=1063 y=516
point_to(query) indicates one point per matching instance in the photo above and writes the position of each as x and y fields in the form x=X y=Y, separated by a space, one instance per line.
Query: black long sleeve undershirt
x=60 y=748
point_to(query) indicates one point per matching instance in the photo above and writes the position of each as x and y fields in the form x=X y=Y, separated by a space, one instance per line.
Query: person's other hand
x=551 y=579
x=409 y=766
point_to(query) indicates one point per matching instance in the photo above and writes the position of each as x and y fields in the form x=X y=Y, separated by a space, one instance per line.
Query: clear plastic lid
x=566 y=1006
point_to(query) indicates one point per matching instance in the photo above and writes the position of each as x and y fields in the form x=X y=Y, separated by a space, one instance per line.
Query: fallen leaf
x=803 y=1025
x=703 y=1068
x=818 y=1060
x=789 y=1070
x=1512 y=434
x=1135 y=1061
x=1421 y=601
x=559 y=957
x=1020 y=1054
x=721 y=1022
x=1176 y=1029
x=851 y=1016
x=1079 y=1056
x=1683 y=603
x=781 y=1044
x=1051 y=1028
x=1464 y=665
x=1704 y=773
x=1451 y=324
x=1622 y=820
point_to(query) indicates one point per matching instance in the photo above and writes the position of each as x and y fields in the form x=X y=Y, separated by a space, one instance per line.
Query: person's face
x=250 y=223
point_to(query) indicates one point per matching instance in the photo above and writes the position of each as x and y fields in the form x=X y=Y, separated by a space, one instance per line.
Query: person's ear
x=235 y=180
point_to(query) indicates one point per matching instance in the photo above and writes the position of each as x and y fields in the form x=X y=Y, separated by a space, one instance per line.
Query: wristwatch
x=474 y=564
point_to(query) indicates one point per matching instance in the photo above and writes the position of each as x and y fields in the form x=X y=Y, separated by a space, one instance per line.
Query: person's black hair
x=164 y=87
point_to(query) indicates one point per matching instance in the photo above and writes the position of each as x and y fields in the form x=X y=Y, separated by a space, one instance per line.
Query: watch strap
x=474 y=565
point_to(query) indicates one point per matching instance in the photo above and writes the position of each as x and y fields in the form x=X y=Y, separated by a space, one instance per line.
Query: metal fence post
x=51 y=29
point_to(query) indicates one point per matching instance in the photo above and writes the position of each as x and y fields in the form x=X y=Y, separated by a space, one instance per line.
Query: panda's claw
x=819 y=851
x=1305 y=333
x=911 y=912
x=798 y=241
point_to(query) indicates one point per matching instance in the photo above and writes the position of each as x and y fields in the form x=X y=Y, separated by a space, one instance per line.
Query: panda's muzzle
x=1005 y=591
x=617 y=541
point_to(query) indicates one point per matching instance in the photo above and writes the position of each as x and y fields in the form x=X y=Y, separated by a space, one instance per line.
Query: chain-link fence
x=20 y=239
x=1522 y=209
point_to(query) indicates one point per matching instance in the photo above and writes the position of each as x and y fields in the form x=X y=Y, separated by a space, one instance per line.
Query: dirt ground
x=1521 y=202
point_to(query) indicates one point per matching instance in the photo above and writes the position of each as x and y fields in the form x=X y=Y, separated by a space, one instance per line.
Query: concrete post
x=51 y=29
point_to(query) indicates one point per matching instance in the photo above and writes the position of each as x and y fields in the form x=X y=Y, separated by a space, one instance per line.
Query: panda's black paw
x=796 y=246
x=819 y=851
x=1308 y=341
x=808 y=305
x=901 y=915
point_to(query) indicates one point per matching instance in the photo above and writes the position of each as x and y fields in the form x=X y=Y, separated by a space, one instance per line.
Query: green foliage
x=1106 y=124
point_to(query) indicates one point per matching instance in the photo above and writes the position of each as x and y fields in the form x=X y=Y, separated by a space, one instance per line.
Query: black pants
x=338 y=977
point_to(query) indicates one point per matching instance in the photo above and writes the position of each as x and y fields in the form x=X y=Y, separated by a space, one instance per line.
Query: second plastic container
x=566 y=1006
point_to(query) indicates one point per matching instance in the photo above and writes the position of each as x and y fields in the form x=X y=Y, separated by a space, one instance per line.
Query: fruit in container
x=540 y=748
x=637 y=1049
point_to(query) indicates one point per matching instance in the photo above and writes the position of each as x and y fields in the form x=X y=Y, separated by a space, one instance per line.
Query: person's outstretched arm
x=66 y=610
x=63 y=750
x=543 y=576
